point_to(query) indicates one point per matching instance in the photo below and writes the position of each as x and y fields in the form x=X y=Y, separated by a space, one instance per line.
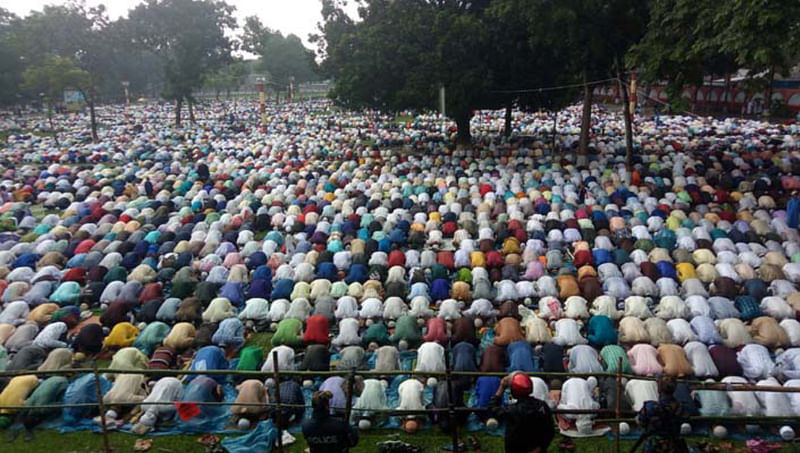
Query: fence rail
x=618 y=415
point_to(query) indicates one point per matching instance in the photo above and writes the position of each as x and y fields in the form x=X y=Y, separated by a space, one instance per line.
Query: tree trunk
x=190 y=103
x=726 y=94
x=555 y=131
x=626 y=109
x=93 y=119
x=464 y=137
x=768 y=100
x=178 y=107
x=586 y=118
x=507 y=130
x=50 y=120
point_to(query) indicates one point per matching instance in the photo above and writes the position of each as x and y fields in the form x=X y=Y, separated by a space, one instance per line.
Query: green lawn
x=262 y=340
x=433 y=441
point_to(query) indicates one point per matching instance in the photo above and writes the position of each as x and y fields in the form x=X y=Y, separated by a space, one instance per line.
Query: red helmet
x=521 y=385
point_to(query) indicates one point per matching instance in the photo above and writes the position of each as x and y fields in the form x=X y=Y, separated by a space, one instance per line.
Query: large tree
x=49 y=77
x=400 y=54
x=689 y=40
x=76 y=33
x=592 y=38
x=12 y=59
x=189 y=37
x=283 y=57
x=681 y=47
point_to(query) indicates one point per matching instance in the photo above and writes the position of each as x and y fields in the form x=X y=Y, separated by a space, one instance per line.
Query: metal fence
x=614 y=416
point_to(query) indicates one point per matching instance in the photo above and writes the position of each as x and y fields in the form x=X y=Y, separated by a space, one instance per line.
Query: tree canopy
x=281 y=56
x=398 y=55
x=188 y=36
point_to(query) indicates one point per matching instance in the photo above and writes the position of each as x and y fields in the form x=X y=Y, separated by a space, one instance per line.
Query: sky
x=299 y=17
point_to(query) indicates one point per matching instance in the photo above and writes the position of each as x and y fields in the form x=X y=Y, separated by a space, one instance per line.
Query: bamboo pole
x=618 y=402
x=348 y=407
x=450 y=398
x=101 y=405
x=279 y=414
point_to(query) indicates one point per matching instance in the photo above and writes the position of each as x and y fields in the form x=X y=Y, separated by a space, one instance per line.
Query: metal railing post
x=102 y=406
x=279 y=413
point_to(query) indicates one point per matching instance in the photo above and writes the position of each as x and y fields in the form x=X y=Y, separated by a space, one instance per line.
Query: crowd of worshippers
x=503 y=257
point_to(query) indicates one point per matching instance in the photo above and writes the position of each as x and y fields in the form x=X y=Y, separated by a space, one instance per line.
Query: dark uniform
x=327 y=434
x=529 y=424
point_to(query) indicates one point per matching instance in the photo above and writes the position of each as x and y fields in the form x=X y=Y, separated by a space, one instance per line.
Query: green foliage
x=11 y=57
x=188 y=36
x=52 y=75
x=228 y=78
x=687 y=40
x=281 y=56
x=400 y=54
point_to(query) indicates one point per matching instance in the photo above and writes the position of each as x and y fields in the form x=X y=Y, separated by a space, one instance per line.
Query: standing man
x=325 y=433
x=529 y=422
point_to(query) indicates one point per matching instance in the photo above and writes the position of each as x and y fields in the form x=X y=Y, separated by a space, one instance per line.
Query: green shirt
x=611 y=355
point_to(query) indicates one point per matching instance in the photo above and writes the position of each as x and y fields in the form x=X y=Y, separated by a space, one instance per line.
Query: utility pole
x=262 y=100
x=125 y=85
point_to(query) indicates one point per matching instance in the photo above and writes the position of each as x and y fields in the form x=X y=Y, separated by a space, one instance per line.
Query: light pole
x=125 y=85
x=262 y=100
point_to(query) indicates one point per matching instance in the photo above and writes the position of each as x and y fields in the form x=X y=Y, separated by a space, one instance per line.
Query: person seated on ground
x=23 y=336
x=229 y=334
x=181 y=337
x=28 y=358
x=351 y=358
x=324 y=432
x=528 y=420
x=89 y=339
x=250 y=359
x=644 y=360
x=209 y=358
x=372 y=398
x=601 y=331
x=430 y=358
x=661 y=421
x=673 y=358
x=712 y=403
x=317 y=330
x=407 y=333
x=16 y=392
x=121 y=336
x=552 y=358
x=410 y=394
x=164 y=358
x=165 y=393
x=584 y=359
x=49 y=392
x=127 y=359
x=336 y=386
x=202 y=389
x=387 y=358
x=52 y=336
x=375 y=336
x=348 y=333
x=442 y=400
x=293 y=400
x=57 y=359
x=578 y=393
x=251 y=403
x=127 y=389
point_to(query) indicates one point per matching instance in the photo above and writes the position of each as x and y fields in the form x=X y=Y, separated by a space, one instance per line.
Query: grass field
x=50 y=441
